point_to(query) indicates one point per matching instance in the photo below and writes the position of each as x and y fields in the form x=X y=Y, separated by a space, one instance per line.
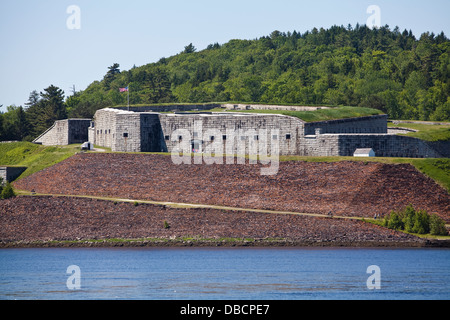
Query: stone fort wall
x=9 y=173
x=384 y=145
x=64 y=132
x=233 y=133
x=129 y=131
x=370 y=124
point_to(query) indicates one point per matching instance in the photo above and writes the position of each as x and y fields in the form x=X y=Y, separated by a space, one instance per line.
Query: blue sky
x=37 y=48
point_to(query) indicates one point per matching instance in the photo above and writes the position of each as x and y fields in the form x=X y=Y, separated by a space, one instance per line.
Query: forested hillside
x=390 y=70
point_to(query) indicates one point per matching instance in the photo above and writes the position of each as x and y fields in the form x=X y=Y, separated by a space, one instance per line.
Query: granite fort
x=156 y=128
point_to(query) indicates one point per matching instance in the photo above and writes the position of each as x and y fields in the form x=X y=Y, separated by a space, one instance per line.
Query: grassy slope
x=426 y=132
x=322 y=114
x=35 y=157
x=308 y=116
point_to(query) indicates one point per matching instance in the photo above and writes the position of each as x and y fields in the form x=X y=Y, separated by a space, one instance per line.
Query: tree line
x=40 y=112
x=390 y=70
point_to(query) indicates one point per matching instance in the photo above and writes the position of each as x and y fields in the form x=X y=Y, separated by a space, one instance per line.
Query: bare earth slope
x=345 y=188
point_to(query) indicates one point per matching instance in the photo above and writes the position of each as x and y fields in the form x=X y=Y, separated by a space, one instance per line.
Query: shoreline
x=214 y=243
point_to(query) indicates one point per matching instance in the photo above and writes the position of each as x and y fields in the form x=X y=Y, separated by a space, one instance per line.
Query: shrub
x=408 y=218
x=166 y=225
x=415 y=221
x=421 y=222
x=437 y=226
x=395 y=222
x=7 y=192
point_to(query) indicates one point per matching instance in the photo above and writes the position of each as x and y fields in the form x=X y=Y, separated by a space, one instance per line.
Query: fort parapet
x=142 y=129
x=64 y=132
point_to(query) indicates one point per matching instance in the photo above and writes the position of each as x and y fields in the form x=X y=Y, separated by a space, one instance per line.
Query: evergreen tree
x=46 y=111
x=1 y=127
x=22 y=124
x=53 y=98
x=189 y=48
x=33 y=99
x=111 y=74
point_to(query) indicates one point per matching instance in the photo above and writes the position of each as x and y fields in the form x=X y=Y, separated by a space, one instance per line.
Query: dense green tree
x=415 y=221
x=15 y=125
x=2 y=132
x=53 y=99
x=189 y=48
x=437 y=226
x=49 y=108
x=22 y=125
x=113 y=71
x=391 y=70
x=405 y=77
x=33 y=99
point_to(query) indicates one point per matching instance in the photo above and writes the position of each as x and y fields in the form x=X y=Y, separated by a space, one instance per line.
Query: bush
x=437 y=226
x=409 y=218
x=7 y=192
x=395 y=222
x=421 y=222
x=415 y=221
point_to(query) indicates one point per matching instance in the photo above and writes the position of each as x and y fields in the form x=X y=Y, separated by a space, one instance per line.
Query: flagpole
x=128 y=99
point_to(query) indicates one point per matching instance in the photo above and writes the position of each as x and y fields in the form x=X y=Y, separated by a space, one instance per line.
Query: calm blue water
x=224 y=273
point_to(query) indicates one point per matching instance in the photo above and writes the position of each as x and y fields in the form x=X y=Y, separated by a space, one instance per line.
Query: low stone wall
x=169 y=108
x=244 y=106
x=384 y=145
x=387 y=146
x=209 y=106
x=370 y=124
x=9 y=174
x=64 y=132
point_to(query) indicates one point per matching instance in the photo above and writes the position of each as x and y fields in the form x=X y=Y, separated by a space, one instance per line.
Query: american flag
x=123 y=89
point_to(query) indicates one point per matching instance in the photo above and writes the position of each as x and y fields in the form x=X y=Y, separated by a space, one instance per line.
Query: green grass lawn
x=427 y=132
x=33 y=156
x=331 y=113
x=321 y=114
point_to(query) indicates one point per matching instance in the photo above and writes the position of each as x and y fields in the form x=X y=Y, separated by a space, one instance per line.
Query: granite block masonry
x=9 y=173
x=141 y=129
x=64 y=132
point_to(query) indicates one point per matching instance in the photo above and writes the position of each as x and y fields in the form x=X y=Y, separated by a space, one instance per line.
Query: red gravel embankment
x=345 y=188
x=42 y=218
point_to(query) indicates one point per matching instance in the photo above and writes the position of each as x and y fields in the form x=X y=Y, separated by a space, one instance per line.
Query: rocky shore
x=45 y=221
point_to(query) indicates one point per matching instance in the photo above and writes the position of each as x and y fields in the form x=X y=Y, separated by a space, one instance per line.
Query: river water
x=224 y=273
